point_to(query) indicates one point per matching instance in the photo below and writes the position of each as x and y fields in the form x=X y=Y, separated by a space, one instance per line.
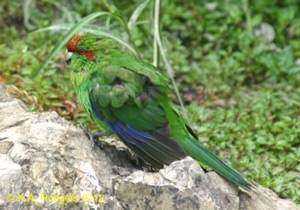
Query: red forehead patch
x=72 y=44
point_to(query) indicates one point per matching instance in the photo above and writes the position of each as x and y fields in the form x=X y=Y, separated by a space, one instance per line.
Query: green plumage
x=131 y=98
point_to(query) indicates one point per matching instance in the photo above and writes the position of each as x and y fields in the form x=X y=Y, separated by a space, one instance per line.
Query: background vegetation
x=236 y=66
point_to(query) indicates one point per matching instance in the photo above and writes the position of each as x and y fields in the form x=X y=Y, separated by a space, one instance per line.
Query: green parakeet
x=131 y=97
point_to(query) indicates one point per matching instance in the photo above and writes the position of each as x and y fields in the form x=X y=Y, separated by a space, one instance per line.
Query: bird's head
x=86 y=49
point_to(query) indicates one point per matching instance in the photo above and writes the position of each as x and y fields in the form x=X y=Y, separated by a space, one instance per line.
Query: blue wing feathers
x=154 y=147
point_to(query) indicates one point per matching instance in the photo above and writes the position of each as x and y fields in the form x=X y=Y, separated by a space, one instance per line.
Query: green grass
x=241 y=89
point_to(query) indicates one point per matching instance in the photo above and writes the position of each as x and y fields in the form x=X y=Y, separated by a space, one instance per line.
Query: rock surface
x=48 y=163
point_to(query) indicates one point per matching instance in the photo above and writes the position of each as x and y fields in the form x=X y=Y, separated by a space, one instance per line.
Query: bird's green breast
x=82 y=84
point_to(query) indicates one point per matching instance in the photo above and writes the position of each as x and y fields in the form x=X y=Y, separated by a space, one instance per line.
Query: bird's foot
x=141 y=164
x=93 y=137
x=136 y=161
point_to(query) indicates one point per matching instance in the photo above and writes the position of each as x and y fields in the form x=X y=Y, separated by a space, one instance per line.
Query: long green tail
x=197 y=151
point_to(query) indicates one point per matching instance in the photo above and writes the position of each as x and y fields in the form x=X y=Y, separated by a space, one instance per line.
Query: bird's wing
x=129 y=103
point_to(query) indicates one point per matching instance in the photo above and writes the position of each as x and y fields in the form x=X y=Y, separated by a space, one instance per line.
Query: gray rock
x=48 y=163
x=182 y=185
x=10 y=177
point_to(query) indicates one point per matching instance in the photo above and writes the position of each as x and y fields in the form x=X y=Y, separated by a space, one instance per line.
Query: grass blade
x=136 y=14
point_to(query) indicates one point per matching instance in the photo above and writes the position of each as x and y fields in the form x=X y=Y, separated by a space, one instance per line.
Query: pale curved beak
x=68 y=56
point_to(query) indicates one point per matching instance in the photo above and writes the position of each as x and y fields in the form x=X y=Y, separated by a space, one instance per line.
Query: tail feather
x=197 y=151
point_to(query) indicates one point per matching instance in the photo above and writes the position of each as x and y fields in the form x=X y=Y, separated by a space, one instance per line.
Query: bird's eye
x=68 y=56
x=79 y=51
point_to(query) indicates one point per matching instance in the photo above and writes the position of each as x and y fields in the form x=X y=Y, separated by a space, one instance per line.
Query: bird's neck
x=79 y=78
x=81 y=82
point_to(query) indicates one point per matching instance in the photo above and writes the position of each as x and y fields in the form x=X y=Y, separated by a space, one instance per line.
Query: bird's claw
x=141 y=164
x=93 y=137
